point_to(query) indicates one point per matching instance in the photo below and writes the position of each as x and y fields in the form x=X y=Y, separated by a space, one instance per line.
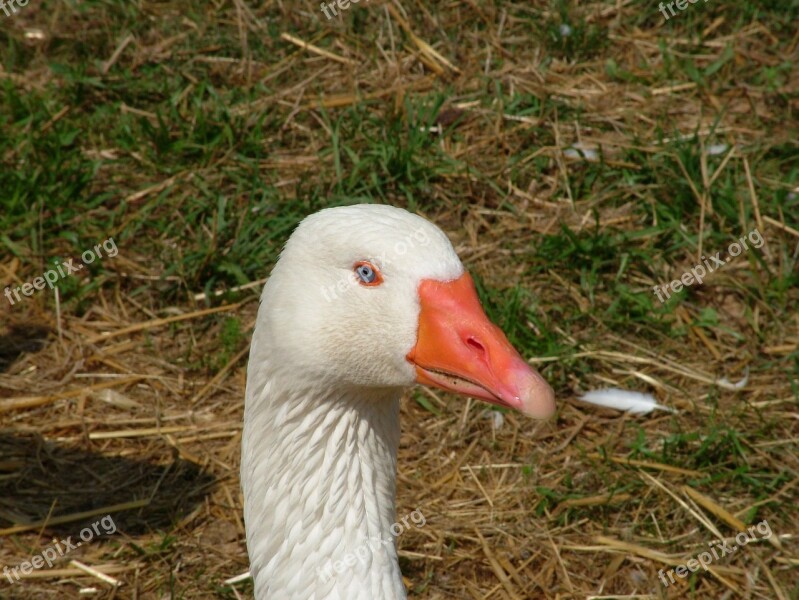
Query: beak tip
x=538 y=397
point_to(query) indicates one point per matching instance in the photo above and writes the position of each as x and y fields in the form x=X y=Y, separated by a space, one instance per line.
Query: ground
x=583 y=157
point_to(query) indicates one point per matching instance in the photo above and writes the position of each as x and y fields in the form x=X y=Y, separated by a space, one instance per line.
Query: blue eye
x=367 y=273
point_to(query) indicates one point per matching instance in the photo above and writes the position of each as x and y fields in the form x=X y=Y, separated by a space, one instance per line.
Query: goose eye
x=367 y=273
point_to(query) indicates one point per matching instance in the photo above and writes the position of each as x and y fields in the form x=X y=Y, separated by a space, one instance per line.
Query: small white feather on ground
x=636 y=403
x=581 y=151
x=727 y=384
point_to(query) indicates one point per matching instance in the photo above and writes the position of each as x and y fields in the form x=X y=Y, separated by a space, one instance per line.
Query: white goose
x=365 y=301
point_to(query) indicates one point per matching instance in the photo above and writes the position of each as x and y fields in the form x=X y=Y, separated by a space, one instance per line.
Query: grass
x=581 y=154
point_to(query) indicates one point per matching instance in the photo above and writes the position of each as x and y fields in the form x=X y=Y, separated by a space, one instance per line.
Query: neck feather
x=319 y=476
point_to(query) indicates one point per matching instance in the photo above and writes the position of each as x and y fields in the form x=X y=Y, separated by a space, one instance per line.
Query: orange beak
x=459 y=350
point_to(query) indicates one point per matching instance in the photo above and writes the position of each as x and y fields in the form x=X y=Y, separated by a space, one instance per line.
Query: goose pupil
x=366 y=273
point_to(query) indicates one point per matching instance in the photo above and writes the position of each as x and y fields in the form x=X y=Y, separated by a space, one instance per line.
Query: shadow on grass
x=40 y=477
x=19 y=339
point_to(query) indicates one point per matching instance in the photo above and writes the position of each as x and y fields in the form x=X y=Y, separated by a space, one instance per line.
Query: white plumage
x=329 y=361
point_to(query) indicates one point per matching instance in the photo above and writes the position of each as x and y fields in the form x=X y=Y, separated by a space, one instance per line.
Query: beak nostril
x=475 y=345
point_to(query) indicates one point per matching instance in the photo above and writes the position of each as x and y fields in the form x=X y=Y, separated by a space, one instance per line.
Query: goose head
x=372 y=296
x=364 y=302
